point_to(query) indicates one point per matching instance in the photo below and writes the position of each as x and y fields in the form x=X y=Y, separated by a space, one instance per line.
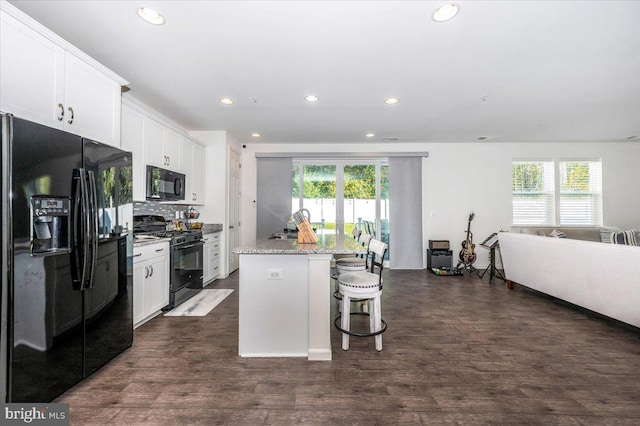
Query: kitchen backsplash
x=151 y=207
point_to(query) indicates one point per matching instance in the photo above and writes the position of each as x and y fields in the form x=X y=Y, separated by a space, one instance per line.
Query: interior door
x=233 y=239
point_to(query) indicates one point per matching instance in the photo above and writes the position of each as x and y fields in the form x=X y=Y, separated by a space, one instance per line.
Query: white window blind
x=533 y=192
x=580 y=192
x=565 y=192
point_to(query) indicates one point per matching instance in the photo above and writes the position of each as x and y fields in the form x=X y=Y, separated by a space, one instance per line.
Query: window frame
x=557 y=194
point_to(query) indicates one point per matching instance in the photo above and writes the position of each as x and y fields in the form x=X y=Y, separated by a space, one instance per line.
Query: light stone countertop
x=327 y=244
x=209 y=228
x=140 y=243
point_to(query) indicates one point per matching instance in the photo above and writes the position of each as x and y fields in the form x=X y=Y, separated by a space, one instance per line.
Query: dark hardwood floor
x=457 y=351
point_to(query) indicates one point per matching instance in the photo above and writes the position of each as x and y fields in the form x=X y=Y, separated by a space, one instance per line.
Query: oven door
x=186 y=266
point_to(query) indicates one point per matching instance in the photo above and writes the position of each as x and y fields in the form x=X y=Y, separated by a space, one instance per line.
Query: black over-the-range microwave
x=164 y=185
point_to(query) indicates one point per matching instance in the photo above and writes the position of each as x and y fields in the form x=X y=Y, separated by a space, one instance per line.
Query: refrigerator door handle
x=81 y=224
x=76 y=251
x=92 y=217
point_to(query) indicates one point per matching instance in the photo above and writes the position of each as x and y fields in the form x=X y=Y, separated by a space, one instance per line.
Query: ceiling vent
x=390 y=138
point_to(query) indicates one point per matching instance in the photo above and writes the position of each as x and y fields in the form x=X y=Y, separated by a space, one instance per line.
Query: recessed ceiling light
x=392 y=101
x=226 y=101
x=370 y=135
x=152 y=16
x=311 y=98
x=445 y=12
x=255 y=135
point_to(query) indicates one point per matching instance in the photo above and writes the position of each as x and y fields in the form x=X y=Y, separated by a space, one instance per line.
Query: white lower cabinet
x=211 y=257
x=150 y=281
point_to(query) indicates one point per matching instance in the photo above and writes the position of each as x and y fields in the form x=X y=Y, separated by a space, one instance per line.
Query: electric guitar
x=467 y=254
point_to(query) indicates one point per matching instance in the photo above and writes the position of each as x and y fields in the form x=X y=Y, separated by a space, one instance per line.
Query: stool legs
x=377 y=313
x=345 y=320
x=375 y=319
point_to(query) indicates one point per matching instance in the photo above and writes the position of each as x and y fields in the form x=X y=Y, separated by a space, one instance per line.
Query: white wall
x=462 y=177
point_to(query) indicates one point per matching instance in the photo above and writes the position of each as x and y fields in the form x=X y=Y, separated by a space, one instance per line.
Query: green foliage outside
x=575 y=177
x=359 y=182
x=529 y=177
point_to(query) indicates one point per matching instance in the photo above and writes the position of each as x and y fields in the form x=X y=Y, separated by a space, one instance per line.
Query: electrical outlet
x=274 y=274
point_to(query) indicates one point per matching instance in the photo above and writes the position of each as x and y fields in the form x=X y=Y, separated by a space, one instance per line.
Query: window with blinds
x=533 y=194
x=566 y=192
x=580 y=192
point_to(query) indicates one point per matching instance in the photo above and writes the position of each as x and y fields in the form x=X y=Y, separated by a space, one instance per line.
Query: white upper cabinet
x=192 y=156
x=161 y=146
x=171 y=149
x=31 y=74
x=152 y=143
x=153 y=151
x=132 y=138
x=92 y=102
x=43 y=82
x=197 y=174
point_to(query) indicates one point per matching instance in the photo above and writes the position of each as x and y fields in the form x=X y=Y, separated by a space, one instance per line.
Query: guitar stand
x=468 y=267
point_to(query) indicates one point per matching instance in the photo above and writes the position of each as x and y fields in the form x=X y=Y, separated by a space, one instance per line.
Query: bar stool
x=364 y=285
x=350 y=264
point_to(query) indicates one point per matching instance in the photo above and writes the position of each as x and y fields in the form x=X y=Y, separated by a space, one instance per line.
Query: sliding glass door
x=341 y=195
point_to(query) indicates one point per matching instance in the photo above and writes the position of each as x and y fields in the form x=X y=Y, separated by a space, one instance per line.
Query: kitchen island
x=285 y=296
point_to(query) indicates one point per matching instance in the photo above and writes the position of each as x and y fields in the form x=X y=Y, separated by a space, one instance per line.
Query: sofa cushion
x=606 y=231
x=629 y=238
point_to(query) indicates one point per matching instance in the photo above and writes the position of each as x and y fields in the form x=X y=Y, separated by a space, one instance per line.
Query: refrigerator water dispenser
x=50 y=225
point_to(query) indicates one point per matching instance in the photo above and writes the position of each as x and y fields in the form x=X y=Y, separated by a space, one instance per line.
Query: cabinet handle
x=146 y=272
x=168 y=160
x=70 y=121
x=151 y=268
x=159 y=250
x=136 y=255
x=61 y=116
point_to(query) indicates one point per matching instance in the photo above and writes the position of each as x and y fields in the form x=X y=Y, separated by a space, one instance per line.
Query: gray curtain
x=405 y=211
x=273 y=200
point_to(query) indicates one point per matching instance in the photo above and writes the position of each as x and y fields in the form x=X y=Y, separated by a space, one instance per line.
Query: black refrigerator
x=66 y=259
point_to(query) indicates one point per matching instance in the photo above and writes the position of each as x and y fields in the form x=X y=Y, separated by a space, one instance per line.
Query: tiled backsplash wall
x=151 y=207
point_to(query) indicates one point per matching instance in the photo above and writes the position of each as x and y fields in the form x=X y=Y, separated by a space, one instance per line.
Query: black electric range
x=186 y=270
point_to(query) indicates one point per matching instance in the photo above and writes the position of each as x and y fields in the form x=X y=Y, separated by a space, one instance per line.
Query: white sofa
x=601 y=277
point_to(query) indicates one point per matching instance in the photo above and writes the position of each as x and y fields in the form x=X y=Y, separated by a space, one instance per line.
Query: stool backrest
x=365 y=239
x=356 y=233
x=377 y=250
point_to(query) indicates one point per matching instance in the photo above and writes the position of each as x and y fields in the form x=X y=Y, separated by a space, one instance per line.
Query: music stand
x=491 y=242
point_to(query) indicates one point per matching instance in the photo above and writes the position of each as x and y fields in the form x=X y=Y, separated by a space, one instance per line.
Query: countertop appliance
x=164 y=185
x=66 y=255
x=186 y=263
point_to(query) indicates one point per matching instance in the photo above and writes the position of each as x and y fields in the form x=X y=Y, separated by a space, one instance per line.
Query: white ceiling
x=510 y=70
